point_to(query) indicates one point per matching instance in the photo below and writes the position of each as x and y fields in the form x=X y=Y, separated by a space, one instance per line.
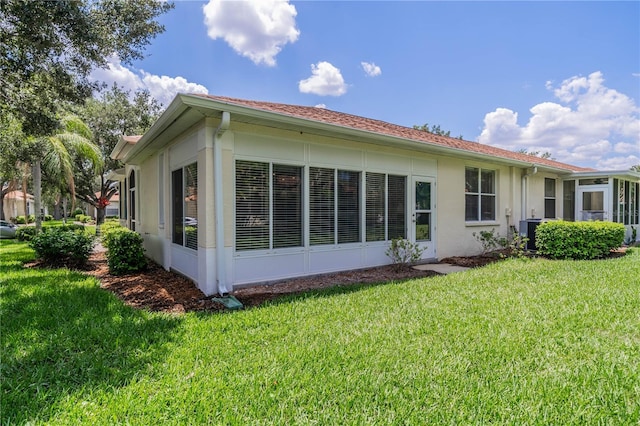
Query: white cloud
x=321 y=106
x=591 y=125
x=256 y=29
x=371 y=69
x=325 y=80
x=162 y=88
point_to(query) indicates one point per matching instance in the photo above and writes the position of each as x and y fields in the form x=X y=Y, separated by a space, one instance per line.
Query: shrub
x=21 y=220
x=48 y=218
x=77 y=211
x=109 y=225
x=578 y=240
x=31 y=218
x=403 y=252
x=57 y=245
x=490 y=240
x=25 y=233
x=125 y=253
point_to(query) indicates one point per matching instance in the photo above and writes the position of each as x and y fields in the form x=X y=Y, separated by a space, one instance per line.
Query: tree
x=71 y=141
x=434 y=129
x=545 y=154
x=114 y=114
x=48 y=49
x=635 y=168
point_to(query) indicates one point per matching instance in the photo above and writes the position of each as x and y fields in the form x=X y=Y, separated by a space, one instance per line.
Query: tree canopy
x=49 y=48
x=435 y=129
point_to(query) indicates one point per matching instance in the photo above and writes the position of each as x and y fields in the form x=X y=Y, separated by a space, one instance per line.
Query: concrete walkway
x=441 y=268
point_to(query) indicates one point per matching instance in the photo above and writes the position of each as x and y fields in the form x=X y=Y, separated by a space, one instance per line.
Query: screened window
x=569 y=200
x=396 y=202
x=184 y=202
x=322 y=202
x=549 y=198
x=348 y=207
x=625 y=205
x=376 y=208
x=268 y=206
x=480 y=194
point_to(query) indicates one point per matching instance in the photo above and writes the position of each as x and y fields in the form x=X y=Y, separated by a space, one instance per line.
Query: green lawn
x=518 y=342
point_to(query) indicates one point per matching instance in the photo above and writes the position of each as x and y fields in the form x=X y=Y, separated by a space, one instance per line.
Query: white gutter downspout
x=524 y=194
x=221 y=275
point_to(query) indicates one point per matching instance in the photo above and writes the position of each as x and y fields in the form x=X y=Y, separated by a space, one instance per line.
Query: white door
x=423 y=216
x=593 y=202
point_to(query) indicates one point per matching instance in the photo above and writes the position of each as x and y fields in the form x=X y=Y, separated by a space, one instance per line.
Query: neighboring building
x=233 y=192
x=13 y=204
x=112 y=210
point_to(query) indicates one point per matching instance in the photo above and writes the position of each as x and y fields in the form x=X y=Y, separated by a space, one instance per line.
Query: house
x=13 y=204
x=112 y=209
x=233 y=192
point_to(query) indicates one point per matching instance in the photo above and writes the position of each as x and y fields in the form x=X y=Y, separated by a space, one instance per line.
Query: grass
x=518 y=342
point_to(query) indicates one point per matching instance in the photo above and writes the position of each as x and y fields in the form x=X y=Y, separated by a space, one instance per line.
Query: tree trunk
x=100 y=213
x=64 y=210
x=25 y=201
x=37 y=188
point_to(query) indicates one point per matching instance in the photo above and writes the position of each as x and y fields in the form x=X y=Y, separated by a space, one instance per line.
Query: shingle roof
x=388 y=129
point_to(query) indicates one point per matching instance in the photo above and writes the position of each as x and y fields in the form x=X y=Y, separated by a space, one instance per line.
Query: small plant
x=48 y=218
x=21 y=220
x=490 y=240
x=403 y=252
x=58 y=246
x=516 y=246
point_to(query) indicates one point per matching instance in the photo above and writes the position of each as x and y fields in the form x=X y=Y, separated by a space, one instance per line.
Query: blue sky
x=562 y=77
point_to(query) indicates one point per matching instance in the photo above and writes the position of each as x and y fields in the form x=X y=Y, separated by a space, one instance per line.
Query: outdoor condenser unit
x=528 y=229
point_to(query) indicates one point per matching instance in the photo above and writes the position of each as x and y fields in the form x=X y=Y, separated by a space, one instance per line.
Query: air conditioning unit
x=528 y=229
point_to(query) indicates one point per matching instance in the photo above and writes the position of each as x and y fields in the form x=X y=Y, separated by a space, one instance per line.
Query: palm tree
x=73 y=138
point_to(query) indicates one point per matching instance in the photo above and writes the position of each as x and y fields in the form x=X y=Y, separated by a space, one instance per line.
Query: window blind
x=190 y=195
x=348 y=207
x=321 y=206
x=375 y=206
x=252 y=205
x=396 y=205
x=287 y=206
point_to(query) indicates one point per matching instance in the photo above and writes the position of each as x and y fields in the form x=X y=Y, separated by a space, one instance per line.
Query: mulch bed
x=156 y=289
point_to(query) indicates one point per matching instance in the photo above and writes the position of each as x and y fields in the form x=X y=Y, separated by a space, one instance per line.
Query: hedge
x=578 y=240
x=60 y=246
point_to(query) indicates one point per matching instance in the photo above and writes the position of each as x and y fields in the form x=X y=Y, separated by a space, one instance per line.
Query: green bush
x=125 y=253
x=77 y=211
x=578 y=240
x=21 y=220
x=31 y=218
x=59 y=246
x=25 y=233
x=48 y=218
x=109 y=225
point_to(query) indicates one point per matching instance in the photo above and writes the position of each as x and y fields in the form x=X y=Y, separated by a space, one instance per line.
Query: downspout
x=221 y=276
x=524 y=195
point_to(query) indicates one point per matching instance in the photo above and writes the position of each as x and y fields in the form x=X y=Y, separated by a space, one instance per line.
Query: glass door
x=423 y=215
x=593 y=203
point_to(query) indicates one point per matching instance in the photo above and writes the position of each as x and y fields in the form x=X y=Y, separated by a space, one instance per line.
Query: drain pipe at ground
x=221 y=276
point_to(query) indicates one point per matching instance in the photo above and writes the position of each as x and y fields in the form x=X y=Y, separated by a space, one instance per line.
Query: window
x=322 y=204
x=132 y=200
x=375 y=207
x=335 y=212
x=625 y=204
x=184 y=201
x=268 y=205
x=549 y=198
x=480 y=194
x=569 y=200
x=348 y=207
